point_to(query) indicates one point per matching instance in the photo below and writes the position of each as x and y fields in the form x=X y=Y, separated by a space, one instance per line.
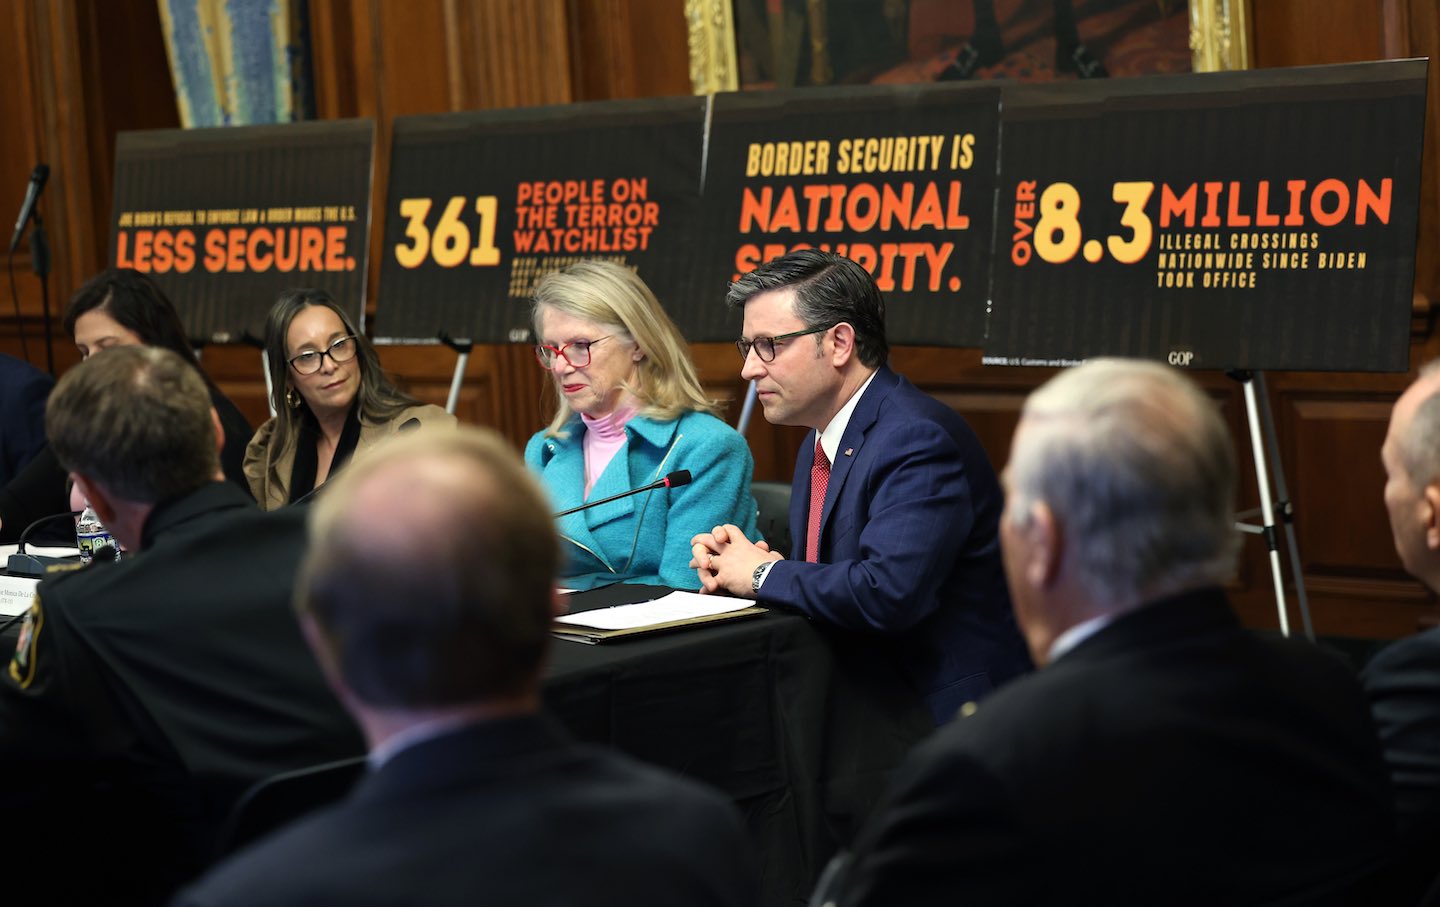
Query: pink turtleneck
x=604 y=436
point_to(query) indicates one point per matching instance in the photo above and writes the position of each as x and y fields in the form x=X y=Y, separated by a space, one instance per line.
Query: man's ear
x=219 y=430
x=842 y=343
x=1430 y=515
x=1046 y=544
x=560 y=605
x=98 y=497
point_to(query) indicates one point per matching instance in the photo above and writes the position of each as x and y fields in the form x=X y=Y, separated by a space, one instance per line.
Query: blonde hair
x=666 y=383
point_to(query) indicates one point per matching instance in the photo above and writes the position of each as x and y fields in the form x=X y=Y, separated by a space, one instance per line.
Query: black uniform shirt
x=145 y=695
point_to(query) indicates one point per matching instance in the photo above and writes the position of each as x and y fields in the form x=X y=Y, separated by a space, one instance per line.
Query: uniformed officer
x=145 y=695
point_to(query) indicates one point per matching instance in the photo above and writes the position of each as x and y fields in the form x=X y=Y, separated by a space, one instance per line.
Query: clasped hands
x=726 y=560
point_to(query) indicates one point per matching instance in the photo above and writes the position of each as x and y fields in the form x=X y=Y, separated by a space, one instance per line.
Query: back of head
x=431 y=572
x=138 y=420
x=1137 y=466
x=1419 y=443
x=612 y=295
x=829 y=289
x=135 y=303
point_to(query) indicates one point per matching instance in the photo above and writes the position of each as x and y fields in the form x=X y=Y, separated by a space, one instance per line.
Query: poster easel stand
x=462 y=348
x=747 y=409
x=1263 y=436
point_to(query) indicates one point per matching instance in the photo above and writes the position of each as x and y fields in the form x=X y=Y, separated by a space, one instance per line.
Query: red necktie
x=819 y=481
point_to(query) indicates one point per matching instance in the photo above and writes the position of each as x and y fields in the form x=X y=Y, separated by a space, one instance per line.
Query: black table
x=799 y=726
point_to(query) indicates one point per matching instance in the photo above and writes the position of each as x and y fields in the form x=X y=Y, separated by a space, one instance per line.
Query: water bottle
x=91 y=534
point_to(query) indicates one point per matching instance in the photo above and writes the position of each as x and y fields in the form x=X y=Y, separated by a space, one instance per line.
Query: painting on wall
x=758 y=44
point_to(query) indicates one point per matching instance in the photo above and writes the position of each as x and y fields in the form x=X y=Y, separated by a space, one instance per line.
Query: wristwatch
x=758 y=576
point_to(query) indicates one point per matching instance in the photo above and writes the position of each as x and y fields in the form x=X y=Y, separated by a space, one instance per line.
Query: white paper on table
x=672 y=607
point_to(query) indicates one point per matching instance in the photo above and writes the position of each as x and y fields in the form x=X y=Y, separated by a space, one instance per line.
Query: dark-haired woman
x=331 y=399
x=117 y=307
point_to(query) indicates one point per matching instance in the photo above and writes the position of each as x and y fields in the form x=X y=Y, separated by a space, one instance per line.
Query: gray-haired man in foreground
x=1161 y=754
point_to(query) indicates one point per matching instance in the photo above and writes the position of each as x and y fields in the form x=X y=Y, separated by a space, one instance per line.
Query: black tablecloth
x=800 y=727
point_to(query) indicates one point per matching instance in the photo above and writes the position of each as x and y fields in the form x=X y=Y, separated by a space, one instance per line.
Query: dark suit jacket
x=506 y=812
x=1171 y=758
x=23 y=392
x=908 y=546
x=1403 y=681
x=147 y=695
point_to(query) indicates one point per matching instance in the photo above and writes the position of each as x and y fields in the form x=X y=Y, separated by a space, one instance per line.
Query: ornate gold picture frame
x=1217 y=40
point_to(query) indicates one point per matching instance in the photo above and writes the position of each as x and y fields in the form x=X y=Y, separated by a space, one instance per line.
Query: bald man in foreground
x=427 y=596
x=1161 y=754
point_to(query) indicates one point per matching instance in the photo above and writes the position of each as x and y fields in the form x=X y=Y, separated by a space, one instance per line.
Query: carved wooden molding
x=711 y=40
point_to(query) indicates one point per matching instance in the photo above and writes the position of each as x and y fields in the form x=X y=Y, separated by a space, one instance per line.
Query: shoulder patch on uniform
x=22 y=663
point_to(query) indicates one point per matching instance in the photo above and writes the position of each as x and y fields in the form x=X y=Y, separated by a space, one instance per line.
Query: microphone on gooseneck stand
x=673 y=480
x=22 y=564
x=38 y=176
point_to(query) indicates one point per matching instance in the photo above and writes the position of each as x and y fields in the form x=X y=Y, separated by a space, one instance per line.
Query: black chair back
x=773 y=501
x=283 y=798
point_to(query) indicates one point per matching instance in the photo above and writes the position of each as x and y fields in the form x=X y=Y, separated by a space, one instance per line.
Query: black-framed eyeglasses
x=764 y=347
x=578 y=357
x=309 y=362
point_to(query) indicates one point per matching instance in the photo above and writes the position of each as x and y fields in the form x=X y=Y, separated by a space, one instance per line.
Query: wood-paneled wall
x=78 y=71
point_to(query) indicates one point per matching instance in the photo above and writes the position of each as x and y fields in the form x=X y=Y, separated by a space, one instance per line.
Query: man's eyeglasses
x=764 y=347
x=309 y=362
x=578 y=355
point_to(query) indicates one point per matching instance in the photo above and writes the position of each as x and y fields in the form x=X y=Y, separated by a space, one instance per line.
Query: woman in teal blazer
x=630 y=411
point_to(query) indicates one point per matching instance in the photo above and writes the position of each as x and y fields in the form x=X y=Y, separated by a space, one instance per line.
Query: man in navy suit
x=894 y=522
x=427 y=595
x=23 y=390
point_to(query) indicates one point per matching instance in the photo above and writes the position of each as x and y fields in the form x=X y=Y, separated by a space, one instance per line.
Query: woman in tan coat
x=331 y=398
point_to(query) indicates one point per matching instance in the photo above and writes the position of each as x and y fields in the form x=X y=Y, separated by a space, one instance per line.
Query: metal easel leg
x=456 y=381
x=1285 y=509
x=747 y=409
x=462 y=349
x=1267 y=513
x=269 y=385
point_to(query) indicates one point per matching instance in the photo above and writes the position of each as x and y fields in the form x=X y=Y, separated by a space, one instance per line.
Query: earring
x=292 y=398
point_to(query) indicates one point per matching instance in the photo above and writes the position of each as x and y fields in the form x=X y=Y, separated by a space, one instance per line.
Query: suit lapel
x=636 y=464
x=867 y=410
x=615 y=479
x=800 y=497
x=565 y=480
